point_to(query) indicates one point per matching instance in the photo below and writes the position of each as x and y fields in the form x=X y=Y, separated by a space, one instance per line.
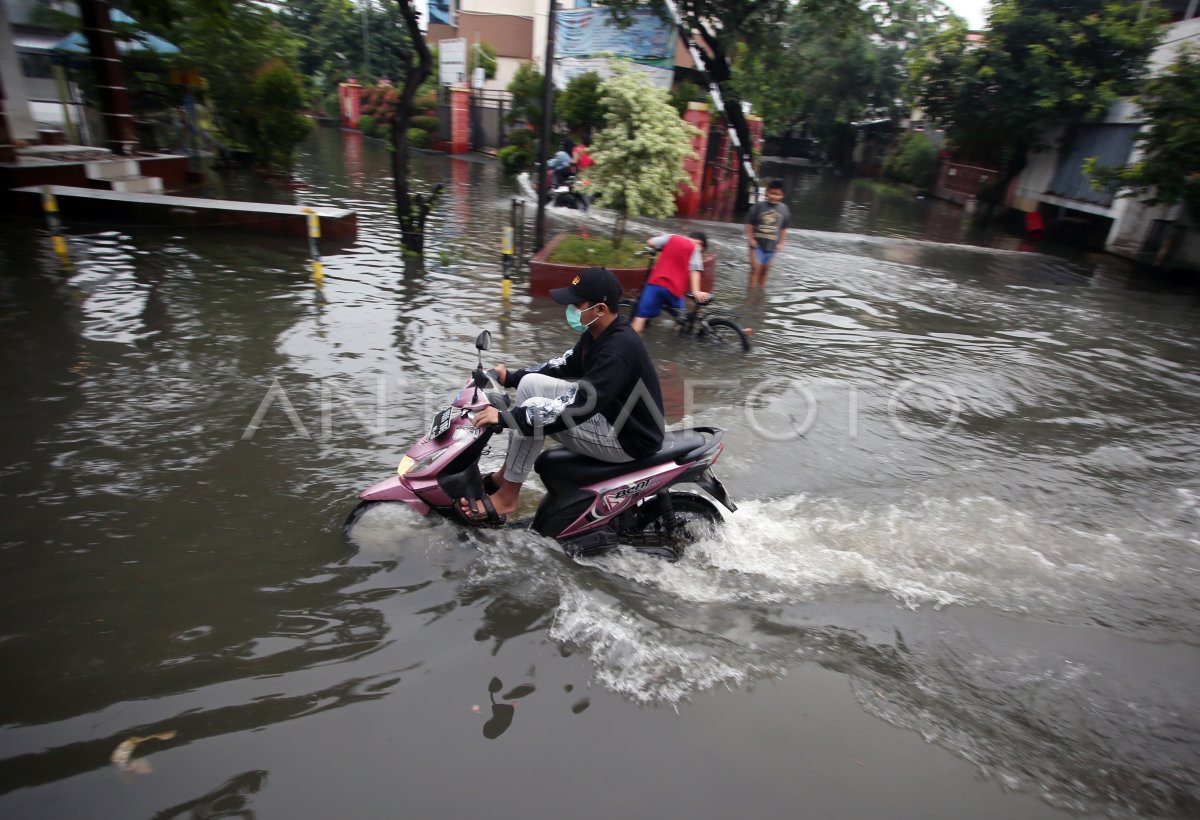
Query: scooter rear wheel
x=693 y=516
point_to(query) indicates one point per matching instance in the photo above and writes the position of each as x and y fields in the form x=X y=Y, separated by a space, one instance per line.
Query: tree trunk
x=619 y=227
x=411 y=209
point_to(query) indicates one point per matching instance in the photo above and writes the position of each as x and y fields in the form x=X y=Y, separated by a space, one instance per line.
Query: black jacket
x=615 y=378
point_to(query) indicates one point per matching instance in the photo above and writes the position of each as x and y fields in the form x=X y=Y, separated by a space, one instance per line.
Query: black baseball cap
x=594 y=285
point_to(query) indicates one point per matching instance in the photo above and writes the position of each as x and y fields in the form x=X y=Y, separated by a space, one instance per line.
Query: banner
x=588 y=39
x=452 y=61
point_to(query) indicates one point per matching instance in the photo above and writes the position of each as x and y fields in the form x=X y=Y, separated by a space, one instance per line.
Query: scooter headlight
x=408 y=465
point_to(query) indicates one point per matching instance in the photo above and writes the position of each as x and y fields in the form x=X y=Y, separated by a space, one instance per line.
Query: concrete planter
x=543 y=275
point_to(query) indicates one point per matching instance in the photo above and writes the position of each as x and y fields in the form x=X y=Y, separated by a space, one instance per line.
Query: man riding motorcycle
x=612 y=411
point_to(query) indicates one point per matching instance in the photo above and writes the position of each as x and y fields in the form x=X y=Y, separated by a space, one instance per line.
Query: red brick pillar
x=687 y=200
x=460 y=118
x=350 y=103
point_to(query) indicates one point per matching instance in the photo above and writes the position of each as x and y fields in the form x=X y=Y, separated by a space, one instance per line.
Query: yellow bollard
x=314 y=233
x=506 y=255
x=50 y=206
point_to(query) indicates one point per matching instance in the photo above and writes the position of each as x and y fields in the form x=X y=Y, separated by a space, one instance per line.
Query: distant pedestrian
x=766 y=228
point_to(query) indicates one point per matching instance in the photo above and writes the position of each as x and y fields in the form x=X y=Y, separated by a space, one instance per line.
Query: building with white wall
x=1054 y=184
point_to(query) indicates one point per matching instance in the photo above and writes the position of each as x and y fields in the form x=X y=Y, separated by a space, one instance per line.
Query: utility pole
x=539 y=232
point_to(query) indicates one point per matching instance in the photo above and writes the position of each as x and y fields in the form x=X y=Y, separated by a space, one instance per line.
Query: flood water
x=962 y=581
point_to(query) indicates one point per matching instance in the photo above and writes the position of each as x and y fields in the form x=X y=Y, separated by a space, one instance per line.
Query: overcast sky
x=975 y=11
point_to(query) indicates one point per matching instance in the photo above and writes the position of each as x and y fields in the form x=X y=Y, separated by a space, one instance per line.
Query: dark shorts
x=762 y=256
x=654 y=299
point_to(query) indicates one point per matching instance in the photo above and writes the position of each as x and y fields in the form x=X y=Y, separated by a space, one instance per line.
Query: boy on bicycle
x=676 y=272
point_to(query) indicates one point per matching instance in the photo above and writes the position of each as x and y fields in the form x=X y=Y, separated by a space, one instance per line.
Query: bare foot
x=507 y=494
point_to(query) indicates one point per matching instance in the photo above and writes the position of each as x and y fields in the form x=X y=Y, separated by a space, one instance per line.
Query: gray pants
x=593 y=437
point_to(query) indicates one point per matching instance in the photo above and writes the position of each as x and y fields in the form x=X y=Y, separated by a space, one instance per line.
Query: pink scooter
x=590 y=506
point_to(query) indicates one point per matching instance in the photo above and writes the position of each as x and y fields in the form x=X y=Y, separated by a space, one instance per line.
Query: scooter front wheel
x=375 y=510
x=667 y=533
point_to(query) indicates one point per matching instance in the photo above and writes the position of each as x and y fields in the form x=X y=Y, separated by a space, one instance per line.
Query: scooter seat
x=560 y=464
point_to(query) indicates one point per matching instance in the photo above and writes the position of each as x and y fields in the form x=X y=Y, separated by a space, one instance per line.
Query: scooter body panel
x=395 y=489
x=440 y=469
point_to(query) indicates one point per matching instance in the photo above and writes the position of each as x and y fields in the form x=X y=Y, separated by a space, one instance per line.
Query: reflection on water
x=966 y=476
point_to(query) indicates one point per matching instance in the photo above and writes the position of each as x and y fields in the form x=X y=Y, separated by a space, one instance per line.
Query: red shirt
x=671 y=270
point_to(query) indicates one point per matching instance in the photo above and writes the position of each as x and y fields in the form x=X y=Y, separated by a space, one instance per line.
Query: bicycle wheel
x=724 y=333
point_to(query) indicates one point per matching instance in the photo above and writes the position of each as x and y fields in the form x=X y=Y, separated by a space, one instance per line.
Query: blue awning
x=142 y=42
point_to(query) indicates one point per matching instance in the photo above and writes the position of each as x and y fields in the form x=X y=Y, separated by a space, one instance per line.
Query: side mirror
x=483 y=341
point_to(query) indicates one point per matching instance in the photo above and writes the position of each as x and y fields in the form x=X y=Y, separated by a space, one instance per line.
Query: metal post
x=539 y=233
x=506 y=254
x=517 y=220
x=50 y=207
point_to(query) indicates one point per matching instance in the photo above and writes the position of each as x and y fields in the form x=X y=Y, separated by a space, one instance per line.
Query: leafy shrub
x=276 y=96
x=333 y=106
x=425 y=101
x=367 y=124
x=685 y=92
x=913 y=160
x=418 y=138
x=514 y=159
x=426 y=123
x=522 y=138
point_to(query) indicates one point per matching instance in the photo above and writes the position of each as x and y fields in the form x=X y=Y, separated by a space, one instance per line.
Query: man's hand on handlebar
x=501 y=372
x=700 y=296
x=486 y=417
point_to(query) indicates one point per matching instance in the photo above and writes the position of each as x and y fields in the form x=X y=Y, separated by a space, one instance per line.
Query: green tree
x=526 y=88
x=578 y=105
x=1042 y=63
x=340 y=38
x=276 y=97
x=640 y=153
x=719 y=25
x=825 y=77
x=1169 y=170
x=230 y=51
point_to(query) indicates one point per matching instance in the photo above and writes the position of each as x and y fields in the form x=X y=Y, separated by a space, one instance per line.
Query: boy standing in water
x=766 y=227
